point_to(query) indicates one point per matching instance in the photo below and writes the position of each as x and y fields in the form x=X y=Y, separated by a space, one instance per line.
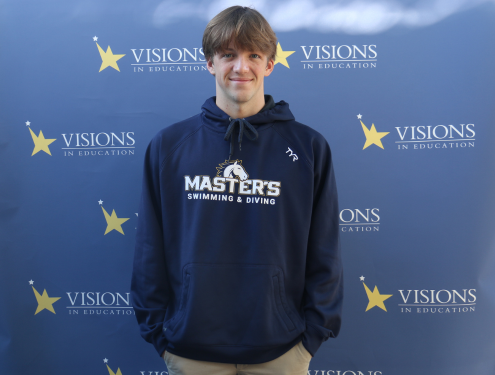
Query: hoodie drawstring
x=248 y=128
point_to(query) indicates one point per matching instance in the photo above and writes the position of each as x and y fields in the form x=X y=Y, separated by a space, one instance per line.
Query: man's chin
x=241 y=98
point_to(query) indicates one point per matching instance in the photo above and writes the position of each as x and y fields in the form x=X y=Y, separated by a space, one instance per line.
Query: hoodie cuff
x=161 y=344
x=313 y=338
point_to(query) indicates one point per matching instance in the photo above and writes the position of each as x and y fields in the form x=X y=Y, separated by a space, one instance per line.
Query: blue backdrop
x=402 y=91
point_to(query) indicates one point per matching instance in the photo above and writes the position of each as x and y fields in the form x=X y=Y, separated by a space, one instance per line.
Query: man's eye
x=227 y=55
x=255 y=55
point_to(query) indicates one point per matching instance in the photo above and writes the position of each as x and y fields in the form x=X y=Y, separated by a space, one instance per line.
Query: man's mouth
x=240 y=80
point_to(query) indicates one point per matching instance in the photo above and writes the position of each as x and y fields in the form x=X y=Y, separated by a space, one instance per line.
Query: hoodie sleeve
x=324 y=278
x=149 y=285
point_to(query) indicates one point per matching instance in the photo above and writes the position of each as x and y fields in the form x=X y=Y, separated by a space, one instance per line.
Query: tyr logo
x=294 y=156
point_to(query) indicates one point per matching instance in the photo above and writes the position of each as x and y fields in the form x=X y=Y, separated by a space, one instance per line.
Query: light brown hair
x=243 y=26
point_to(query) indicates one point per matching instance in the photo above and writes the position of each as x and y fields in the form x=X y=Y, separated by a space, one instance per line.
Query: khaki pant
x=294 y=362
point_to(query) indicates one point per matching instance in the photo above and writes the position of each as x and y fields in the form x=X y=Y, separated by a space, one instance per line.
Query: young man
x=237 y=264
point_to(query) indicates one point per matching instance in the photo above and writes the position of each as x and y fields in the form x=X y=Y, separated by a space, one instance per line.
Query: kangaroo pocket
x=233 y=305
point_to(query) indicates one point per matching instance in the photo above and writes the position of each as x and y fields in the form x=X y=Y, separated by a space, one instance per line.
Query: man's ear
x=210 y=66
x=269 y=67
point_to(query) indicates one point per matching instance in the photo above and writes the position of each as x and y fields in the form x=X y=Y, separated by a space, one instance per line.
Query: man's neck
x=240 y=110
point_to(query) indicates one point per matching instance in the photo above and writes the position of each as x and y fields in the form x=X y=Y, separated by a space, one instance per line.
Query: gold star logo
x=113 y=222
x=372 y=136
x=108 y=58
x=41 y=143
x=375 y=298
x=44 y=302
x=110 y=372
x=282 y=56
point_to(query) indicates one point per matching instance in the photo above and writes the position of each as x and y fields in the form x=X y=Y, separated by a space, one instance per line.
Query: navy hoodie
x=237 y=261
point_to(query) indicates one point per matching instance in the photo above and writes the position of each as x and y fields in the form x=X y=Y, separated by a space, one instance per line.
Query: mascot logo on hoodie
x=231 y=178
x=233 y=169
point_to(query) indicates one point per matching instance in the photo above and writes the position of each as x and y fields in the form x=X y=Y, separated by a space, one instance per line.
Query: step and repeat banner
x=403 y=92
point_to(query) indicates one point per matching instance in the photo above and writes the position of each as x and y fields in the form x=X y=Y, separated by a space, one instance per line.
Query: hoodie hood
x=217 y=120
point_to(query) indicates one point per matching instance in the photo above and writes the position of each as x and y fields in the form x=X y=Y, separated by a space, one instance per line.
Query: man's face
x=239 y=74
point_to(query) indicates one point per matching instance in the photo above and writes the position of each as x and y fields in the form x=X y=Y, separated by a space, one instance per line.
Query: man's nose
x=241 y=64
